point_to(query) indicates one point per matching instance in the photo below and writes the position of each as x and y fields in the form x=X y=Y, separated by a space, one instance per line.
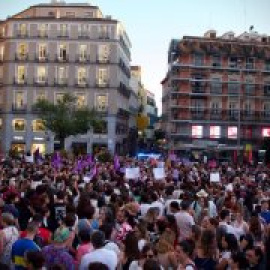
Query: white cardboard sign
x=159 y=173
x=215 y=177
x=132 y=173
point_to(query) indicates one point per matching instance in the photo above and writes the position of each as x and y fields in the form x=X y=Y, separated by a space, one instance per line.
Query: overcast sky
x=151 y=24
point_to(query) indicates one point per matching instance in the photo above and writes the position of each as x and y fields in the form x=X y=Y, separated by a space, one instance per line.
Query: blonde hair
x=166 y=242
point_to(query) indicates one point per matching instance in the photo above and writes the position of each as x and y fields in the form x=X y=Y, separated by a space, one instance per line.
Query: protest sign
x=159 y=173
x=215 y=177
x=132 y=173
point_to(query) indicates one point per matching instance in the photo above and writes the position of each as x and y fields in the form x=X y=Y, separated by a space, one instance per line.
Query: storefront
x=41 y=147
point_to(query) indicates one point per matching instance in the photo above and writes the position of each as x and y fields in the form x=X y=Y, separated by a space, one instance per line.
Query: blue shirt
x=19 y=248
x=266 y=216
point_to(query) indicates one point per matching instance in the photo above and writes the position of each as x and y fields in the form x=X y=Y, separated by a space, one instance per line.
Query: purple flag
x=116 y=163
x=56 y=160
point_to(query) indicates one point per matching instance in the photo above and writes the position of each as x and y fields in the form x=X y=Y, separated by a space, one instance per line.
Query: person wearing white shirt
x=100 y=253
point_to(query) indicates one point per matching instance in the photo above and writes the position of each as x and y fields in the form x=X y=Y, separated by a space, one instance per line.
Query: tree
x=64 y=118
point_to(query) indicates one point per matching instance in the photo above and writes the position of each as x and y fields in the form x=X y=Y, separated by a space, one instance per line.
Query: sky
x=151 y=24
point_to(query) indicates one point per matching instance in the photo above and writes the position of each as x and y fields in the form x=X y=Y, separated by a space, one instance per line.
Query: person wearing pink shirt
x=85 y=246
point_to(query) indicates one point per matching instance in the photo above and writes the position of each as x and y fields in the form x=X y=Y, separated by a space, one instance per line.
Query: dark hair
x=185 y=205
x=259 y=253
x=224 y=213
x=89 y=212
x=249 y=239
x=208 y=243
x=35 y=258
x=97 y=266
x=188 y=247
x=70 y=220
x=240 y=259
x=107 y=228
x=151 y=264
x=175 y=205
x=85 y=236
x=231 y=241
x=98 y=239
x=131 y=246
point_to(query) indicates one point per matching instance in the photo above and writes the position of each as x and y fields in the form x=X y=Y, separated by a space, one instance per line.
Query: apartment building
x=51 y=49
x=152 y=113
x=216 y=94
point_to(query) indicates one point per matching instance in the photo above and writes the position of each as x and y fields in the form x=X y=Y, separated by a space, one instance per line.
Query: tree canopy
x=65 y=118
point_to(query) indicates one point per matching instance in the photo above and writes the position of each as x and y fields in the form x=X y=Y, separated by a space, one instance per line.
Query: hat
x=61 y=235
x=202 y=194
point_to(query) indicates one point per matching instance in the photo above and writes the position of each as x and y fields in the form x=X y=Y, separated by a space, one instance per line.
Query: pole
x=239 y=115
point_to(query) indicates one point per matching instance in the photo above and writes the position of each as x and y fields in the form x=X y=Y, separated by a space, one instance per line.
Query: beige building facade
x=51 y=49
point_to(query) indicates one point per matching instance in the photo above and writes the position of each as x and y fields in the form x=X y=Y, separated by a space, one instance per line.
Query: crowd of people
x=79 y=213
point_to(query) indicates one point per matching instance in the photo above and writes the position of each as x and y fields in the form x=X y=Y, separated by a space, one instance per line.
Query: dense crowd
x=79 y=213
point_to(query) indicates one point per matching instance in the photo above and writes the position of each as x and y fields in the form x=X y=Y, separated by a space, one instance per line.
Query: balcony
x=62 y=59
x=102 y=84
x=83 y=35
x=124 y=90
x=81 y=83
x=81 y=59
x=20 y=34
x=103 y=61
x=19 y=107
x=61 y=82
x=216 y=114
x=41 y=81
x=104 y=36
x=42 y=59
x=20 y=82
x=233 y=115
x=63 y=34
x=43 y=34
x=21 y=57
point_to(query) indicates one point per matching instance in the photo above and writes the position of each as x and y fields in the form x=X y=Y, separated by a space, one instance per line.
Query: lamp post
x=239 y=111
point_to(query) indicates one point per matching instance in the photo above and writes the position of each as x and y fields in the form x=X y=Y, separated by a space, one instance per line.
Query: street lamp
x=239 y=62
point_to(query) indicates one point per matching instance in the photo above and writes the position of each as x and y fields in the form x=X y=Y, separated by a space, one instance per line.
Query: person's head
x=7 y=220
x=98 y=266
x=106 y=215
x=120 y=215
x=131 y=246
x=246 y=242
x=32 y=228
x=148 y=252
x=174 y=207
x=238 y=261
x=196 y=232
x=264 y=205
x=35 y=260
x=98 y=239
x=89 y=212
x=141 y=230
x=254 y=256
x=185 y=205
x=61 y=236
x=224 y=215
x=151 y=264
x=229 y=242
x=107 y=229
x=185 y=250
x=84 y=236
x=69 y=220
x=208 y=243
x=255 y=227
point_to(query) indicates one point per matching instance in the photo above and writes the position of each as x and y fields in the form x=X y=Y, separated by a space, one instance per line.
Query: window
x=89 y=14
x=266 y=109
x=103 y=53
x=267 y=88
x=81 y=76
x=102 y=128
x=63 y=52
x=233 y=87
x=233 y=112
x=22 y=50
x=19 y=125
x=58 y=97
x=1 y=73
x=215 y=107
x=198 y=60
x=61 y=75
x=249 y=87
x=83 y=30
x=63 y=30
x=266 y=132
x=70 y=14
x=40 y=95
x=267 y=65
x=232 y=132
x=81 y=100
x=41 y=74
x=215 y=132
x=216 y=61
x=43 y=30
x=233 y=62
x=42 y=51
x=197 y=106
x=104 y=31
x=22 y=29
x=83 y=52
x=38 y=125
x=21 y=70
x=250 y=63
x=197 y=131
x=247 y=108
x=101 y=103
x=102 y=76
x=19 y=99
x=216 y=86
x=2 y=51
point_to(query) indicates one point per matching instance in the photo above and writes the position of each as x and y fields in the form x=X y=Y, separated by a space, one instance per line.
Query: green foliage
x=64 y=118
x=104 y=156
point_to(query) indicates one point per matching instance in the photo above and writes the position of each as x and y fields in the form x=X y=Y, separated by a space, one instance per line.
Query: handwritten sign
x=215 y=177
x=159 y=173
x=132 y=173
